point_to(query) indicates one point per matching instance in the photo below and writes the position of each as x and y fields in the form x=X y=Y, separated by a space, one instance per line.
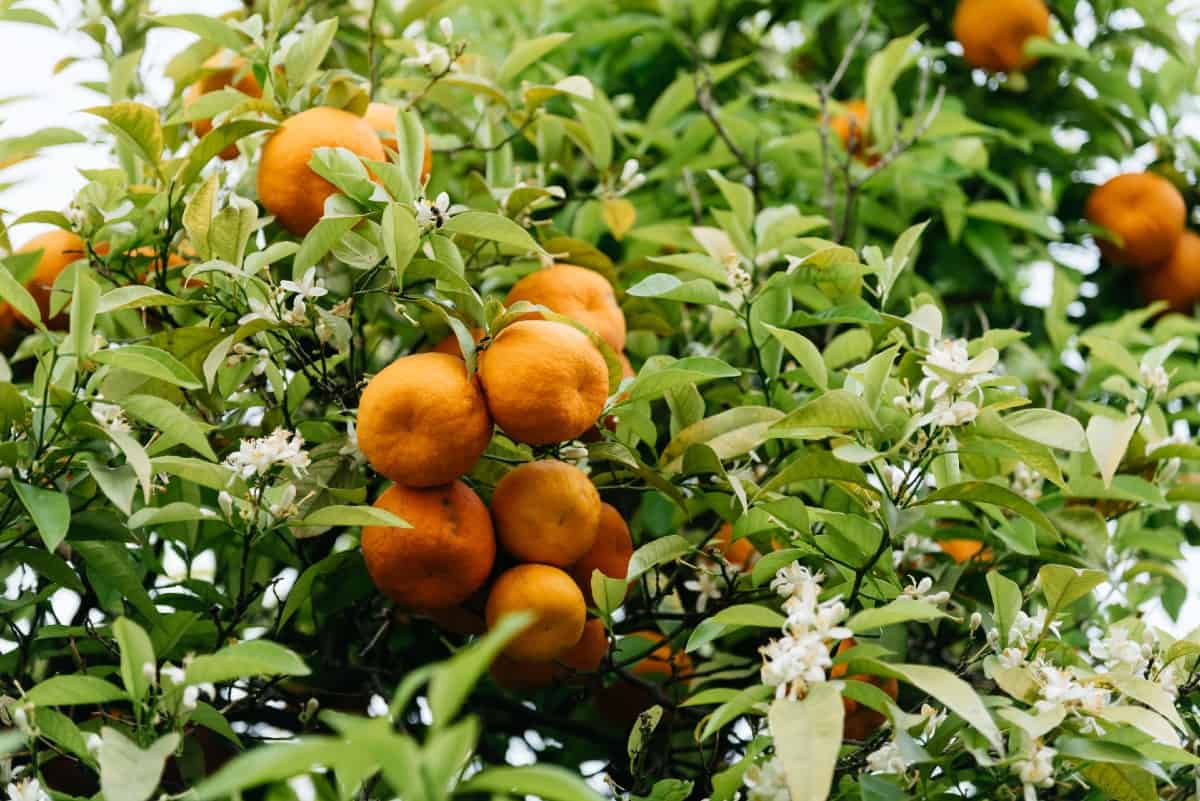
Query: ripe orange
x=544 y=381
x=860 y=721
x=577 y=292
x=546 y=511
x=966 y=550
x=1177 y=281
x=993 y=33
x=1145 y=210
x=584 y=656
x=741 y=553
x=554 y=599
x=422 y=421
x=221 y=70
x=851 y=126
x=287 y=186
x=623 y=701
x=59 y=249
x=443 y=559
x=609 y=553
x=382 y=118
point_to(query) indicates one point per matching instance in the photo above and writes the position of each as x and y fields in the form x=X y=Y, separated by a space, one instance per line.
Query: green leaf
x=814 y=464
x=135 y=296
x=957 y=695
x=527 y=52
x=549 y=782
x=18 y=297
x=206 y=474
x=1121 y=782
x=210 y=29
x=734 y=708
x=72 y=690
x=1051 y=428
x=668 y=287
x=136 y=652
x=701 y=264
x=170 y=420
x=1006 y=603
x=177 y=512
x=113 y=561
x=656 y=552
x=150 y=362
x=232 y=228
x=808 y=736
x=999 y=212
x=244 y=659
x=654 y=382
x=60 y=729
x=50 y=511
x=137 y=124
x=85 y=299
x=344 y=169
x=453 y=680
x=805 y=353
x=128 y=773
x=338 y=515
x=305 y=55
x=213 y=143
x=837 y=409
x=136 y=458
x=1108 y=439
x=1063 y=585
x=401 y=239
x=730 y=434
x=901 y=610
x=492 y=227
x=984 y=492
x=268 y=763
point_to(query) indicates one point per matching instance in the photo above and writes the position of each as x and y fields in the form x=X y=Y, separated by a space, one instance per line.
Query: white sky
x=51 y=180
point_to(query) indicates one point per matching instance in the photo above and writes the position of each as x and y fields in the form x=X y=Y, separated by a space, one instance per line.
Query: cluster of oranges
x=1148 y=217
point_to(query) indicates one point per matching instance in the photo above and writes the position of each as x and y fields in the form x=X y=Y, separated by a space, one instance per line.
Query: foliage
x=838 y=354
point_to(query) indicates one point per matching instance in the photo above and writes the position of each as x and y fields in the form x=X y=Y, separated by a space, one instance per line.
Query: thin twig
x=704 y=99
x=825 y=95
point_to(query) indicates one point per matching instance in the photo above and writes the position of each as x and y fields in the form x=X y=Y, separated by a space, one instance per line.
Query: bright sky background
x=29 y=53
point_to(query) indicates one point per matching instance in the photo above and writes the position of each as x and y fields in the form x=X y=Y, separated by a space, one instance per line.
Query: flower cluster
x=1121 y=652
x=1036 y=770
x=1064 y=687
x=435 y=213
x=801 y=657
x=288 y=302
x=110 y=417
x=1025 y=631
x=951 y=389
x=259 y=456
x=766 y=781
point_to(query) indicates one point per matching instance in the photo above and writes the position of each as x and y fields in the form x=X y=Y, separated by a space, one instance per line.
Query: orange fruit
x=623 y=701
x=740 y=553
x=993 y=33
x=546 y=511
x=1145 y=211
x=221 y=70
x=59 y=249
x=576 y=292
x=966 y=550
x=851 y=126
x=1177 y=281
x=382 y=119
x=557 y=605
x=544 y=381
x=287 y=186
x=584 y=656
x=446 y=555
x=609 y=553
x=422 y=421
x=860 y=722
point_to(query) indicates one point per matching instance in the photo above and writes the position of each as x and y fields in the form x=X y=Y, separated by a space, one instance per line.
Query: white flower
x=446 y=28
x=433 y=57
x=1121 y=653
x=1168 y=679
x=191 y=696
x=309 y=286
x=801 y=657
x=895 y=478
x=887 y=759
x=975 y=622
x=1155 y=380
x=225 y=501
x=172 y=674
x=260 y=310
x=150 y=672
x=434 y=214
x=574 y=452
x=1037 y=770
x=93 y=743
x=1026 y=483
x=1011 y=657
x=950 y=355
x=377 y=707
x=110 y=417
x=766 y=781
x=27 y=790
x=258 y=456
x=934 y=717
x=795 y=579
x=351 y=447
x=286 y=505
x=920 y=591
x=707 y=584
x=914 y=551
x=1060 y=687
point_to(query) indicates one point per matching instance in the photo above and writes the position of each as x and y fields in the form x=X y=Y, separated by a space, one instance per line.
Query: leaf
x=492 y=227
x=50 y=511
x=656 y=552
x=1108 y=439
x=525 y=53
x=699 y=263
x=984 y=492
x=198 y=215
x=730 y=434
x=177 y=512
x=305 y=55
x=549 y=782
x=1051 y=428
x=136 y=123
x=135 y=458
x=60 y=729
x=1121 y=782
x=401 y=239
x=668 y=287
x=343 y=168
x=902 y=256
x=135 y=296
x=18 y=297
x=453 y=680
x=733 y=708
x=338 y=515
x=653 y=382
x=206 y=474
x=244 y=659
x=619 y=215
x=808 y=736
x=814 y=464
x=210 y=29
x=85 y=298
x=266 y=764
x=900 y=610
x=214 y=142
x=1063 y=585
x=1006 y=603
x=805 y=353
x=957 y=695
x=151 y=362
x=128 y=773
x=999 y=212
x=136 y=652
x=74 y=689
x=837 y=408
x=170 y=420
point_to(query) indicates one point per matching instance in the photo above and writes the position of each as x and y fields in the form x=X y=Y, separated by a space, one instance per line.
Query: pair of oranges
x=1149 y=217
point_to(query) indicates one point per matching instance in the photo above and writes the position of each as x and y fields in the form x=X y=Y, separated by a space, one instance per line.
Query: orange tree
x=691 y=399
